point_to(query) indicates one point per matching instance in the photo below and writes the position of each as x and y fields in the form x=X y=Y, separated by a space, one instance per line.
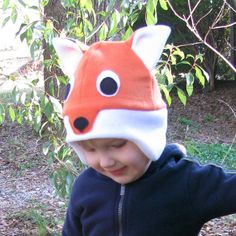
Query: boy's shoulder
x=173 y=155
x=175 y=158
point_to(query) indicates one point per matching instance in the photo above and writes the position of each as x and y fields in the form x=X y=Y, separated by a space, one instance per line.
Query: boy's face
x=118 y=159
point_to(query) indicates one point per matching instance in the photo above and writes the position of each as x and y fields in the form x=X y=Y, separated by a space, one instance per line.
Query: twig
x=234 y=113
x=224 y=26
x=234 y=139
x=204 y=41
x=188 y=44
x=204 y=16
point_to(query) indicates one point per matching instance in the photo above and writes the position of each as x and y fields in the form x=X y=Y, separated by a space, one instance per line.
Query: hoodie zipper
x=120 y=208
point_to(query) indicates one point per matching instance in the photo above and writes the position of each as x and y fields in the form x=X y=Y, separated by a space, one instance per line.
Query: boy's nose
x=107 y=162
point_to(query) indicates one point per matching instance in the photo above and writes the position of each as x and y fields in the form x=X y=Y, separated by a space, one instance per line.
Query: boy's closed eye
x=119 y=144
x=94 y=145
x=87 y=147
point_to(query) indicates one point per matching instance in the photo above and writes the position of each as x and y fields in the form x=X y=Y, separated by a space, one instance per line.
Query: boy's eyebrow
x=90 y=143
x=85 y=143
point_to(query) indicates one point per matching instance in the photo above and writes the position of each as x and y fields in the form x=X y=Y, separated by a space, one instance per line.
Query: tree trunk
x=233 y=38
x=210 y=64
x=56 y=12
x=98 y=7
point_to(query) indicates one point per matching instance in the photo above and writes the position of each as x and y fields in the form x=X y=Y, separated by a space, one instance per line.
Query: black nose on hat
x=81 y=123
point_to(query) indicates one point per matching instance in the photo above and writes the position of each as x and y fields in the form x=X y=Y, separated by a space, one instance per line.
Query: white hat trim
x=147 y=129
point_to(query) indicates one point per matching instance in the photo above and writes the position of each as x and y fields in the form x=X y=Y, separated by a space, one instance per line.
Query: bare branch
x=173 y=10
x=234 y=139
x=219 y=15
x=230 y=7
x=224 y=26
x=189 y=44
x=198 y=36
x=192 y=10
x=190 y=13
x=221 y=56
x=204 y=16
x=232 y=110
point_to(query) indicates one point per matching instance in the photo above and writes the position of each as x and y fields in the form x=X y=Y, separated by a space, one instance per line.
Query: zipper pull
x=120 y=208
x=122 y=190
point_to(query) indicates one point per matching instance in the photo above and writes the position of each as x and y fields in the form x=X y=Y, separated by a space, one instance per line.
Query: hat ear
x=69 y=53
x=148 y=43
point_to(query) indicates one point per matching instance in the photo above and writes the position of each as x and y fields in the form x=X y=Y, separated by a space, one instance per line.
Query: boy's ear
x=69 y=54
x=148 y=43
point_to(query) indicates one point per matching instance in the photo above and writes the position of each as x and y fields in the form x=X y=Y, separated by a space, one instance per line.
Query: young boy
x=116 y=120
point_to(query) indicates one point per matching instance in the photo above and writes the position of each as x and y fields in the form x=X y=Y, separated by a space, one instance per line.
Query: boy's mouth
x=118 y=172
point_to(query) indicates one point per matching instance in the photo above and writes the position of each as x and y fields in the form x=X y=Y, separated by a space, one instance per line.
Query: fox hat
x=112 y=92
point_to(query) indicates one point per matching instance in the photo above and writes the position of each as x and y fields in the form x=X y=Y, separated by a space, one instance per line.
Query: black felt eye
x=67 y=91
x=108 y=83
x=108 y=86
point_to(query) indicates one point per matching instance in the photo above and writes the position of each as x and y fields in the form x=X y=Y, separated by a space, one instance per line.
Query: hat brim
x=147 y=129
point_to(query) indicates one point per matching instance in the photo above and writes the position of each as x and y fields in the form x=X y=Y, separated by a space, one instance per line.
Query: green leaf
x=150 y=18
x=181 y=95
x=166 y=93
x=34 y=8
x=12 y=114
x=89 y=5
x=169 y=75
x=62 y=80
x=51 y=87
x=163 y=4
x=179 y=53
x=48 y=109
x=189 y=83
x=20 y=117
x=2 y=114
x=189 y=56
x=199 y=75
x=173 y=59
x=14 y=14
x=111 y=5
x=5 y=4
x=50 y=158
x=15 y=95
x=34 y=82
x=37 y=119
x=115 y=18
x=88 y=24
x=103 y=32
x=44 y=2
x=4 y=22
x=127 y=33
x=29 y=35
x=184 y=63
x=22 y=3
x=82 y=3
x=21 y=27
x=151 y=14
x=34 y=47
x=56 y=104
x=200 y=58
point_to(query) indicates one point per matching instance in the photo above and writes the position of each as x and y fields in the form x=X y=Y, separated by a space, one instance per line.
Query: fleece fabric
x=175 y=197
x=112 y=91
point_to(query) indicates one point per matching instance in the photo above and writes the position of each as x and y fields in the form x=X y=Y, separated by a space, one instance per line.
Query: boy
x=116 y=122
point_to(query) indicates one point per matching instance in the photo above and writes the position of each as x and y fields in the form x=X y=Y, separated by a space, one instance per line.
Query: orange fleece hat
x=112 y=93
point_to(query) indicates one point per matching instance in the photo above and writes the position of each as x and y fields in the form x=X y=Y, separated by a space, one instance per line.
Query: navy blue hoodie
x=175 y=197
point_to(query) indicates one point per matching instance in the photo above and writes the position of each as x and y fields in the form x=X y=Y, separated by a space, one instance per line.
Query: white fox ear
x=69 y=54
x=149 y=42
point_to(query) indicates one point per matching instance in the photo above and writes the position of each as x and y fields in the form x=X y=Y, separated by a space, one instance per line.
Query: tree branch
x=193 y=29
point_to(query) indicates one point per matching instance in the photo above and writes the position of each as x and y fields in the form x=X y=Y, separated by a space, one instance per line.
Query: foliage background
x=89 y=21
x=39 y=104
